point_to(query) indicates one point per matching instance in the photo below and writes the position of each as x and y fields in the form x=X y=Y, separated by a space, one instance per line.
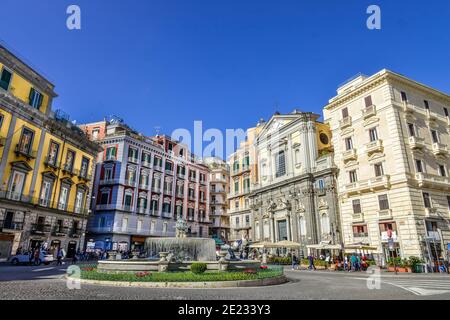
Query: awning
x=264 y=244
x=359 y=246
x=289 y=244
x=325 y=246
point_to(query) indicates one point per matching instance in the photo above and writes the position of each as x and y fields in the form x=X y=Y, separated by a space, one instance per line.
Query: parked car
x=24 y=258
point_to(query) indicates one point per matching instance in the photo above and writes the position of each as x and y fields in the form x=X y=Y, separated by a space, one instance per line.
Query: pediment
x=347 y=132
x=351 y=164
x=49 y=175
x=21 y=166
x=67 y=181
x=371 y=121
x=275 y=124
x=376 y=156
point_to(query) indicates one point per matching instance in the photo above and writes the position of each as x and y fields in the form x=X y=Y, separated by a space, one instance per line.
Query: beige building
x=218 y=189
x=391 y=140
x=243 y=174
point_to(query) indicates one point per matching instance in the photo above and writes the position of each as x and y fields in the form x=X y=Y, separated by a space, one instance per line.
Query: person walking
x=37 y=254
x=311 y=262
x=294 y=262
x=59 y=256
x=353 y=262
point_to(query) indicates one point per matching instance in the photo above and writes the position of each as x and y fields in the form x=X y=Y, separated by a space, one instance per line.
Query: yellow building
x=46 y=164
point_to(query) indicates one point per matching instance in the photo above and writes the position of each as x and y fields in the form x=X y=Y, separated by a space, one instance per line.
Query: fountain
x=181 y=248
x=176 y=254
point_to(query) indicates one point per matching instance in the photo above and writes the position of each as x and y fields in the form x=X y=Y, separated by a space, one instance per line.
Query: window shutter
x=31 y=96
x=41 y=97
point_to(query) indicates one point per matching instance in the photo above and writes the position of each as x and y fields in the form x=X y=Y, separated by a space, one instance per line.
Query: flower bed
x=187 y=276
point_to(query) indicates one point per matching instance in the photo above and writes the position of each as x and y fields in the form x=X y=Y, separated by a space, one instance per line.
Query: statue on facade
x=181 y=227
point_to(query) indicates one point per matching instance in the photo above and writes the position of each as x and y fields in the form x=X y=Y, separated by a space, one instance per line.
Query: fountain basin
x=183 y=249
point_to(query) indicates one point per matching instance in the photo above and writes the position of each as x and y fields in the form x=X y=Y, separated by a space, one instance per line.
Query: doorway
x=71 y=249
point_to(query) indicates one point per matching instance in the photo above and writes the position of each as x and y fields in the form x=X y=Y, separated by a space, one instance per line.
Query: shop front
x=137 y=243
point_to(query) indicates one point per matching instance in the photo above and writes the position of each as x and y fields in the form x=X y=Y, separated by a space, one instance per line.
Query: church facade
x=295 y=196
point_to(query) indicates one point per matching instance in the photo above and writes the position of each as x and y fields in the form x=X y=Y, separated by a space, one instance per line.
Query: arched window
x=325 y=223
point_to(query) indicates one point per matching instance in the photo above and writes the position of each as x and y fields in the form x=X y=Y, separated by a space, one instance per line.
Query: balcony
x=168 y=192
x=433 y=235
x=76 y=233
x=193 y=198
x=407 y=107
x=369 y=185
x=129 y=183
x=385 y=238
x=416 y=143
x=245 y=168
x=12 y=226
x=181 y=176
x=361 y=237
x=158 y=167
x=192 y=179
x=369 y=112
x=349 y=155
x=143 y=186
x=156 y=189
x=68 y=168
x=431 y=213
x=22 y=151
x=385 y=214
x=169 y=172
x=133 y=160
x=154 y=212
x=51 y=162
x=146 y=164
x=83 y=175
x=101 y=207
x=39 y=229
x=432 y=181
x=431 y=116
x=166 y=215
x=141 y=210
x=203 y=182
x=59 y=231
x=108 y=181
x=440 y=149
x=110 y=157
x=357 y=217
x=374 y=146
x=345 y=122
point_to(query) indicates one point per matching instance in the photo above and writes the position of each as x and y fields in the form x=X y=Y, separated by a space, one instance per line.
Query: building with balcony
x=142 y=185
x=242 y=165
x=220 y=219
x=295 y=197
x=46 y=164
x=393 y=163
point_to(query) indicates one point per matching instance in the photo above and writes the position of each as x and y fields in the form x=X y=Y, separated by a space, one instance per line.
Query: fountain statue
x=181 y=227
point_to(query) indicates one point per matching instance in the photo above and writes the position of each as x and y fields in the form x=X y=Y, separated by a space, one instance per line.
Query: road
x=47 y=282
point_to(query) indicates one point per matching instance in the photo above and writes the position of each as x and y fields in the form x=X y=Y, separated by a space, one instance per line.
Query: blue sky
x=167 y=63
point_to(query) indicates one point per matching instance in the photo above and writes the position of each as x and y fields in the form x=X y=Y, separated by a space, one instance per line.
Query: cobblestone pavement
x=47 y=282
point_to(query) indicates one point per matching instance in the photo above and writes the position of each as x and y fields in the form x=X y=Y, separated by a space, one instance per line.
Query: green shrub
x=198 y=267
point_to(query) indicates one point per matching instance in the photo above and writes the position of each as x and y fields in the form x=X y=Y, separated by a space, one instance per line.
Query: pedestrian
x=353 y=261
x=346 y=268
x=37 y=254
x=59 y=256
x=311 y=262
x=294 y=262
x=358 y=263
x=75 y=258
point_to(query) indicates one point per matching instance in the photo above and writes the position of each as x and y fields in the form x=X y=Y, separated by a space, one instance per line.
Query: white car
x=24 y=258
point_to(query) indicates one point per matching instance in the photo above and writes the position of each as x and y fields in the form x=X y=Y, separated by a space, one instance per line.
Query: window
x=297 y=156
x=247 y=220
x=373 y=134
x=360 y=231
x=133 y=154
x=79 y=199
x=356 y=206
x=95 y=133
x=419 y=167
x=154 y=206
x=280 y=164
x=16 y=186
x=237 y=221
x=84 y=167
x=139 y=226
x=426 y=200
x=166 y=207
x=411 y=130
x=236 y=204
x=426 y=104
x=378 y=169
x=246 y=184
x=246 y=162
x=321 y=185
x=404 y=97
x=344 y=113
x=448 y=202
x=128 y=199
x=26 y=141
x=368 y=101
x=108 y=174
x=169 y=166
x=434 y=136
x=124 y=224
x=104 y=197
x=70 y=159
x=157 y=162
x=146 y=158
x=53 y=153
x=348 y=144
x=353 y=176
x=236 y=186
x=442 y=171
x=325 y=223
x=35 y=98
x=236 y=166
x=44 y=199
x=446 y=112
x=5 y=79
x=111 y=153
x=383 y=202
x=63 y=196
x=1 y=120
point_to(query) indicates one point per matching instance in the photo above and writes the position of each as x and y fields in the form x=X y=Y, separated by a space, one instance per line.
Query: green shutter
x=31 y=96
x=41 y=97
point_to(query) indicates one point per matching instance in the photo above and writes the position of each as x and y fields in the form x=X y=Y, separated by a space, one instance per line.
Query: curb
x=192 y=285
